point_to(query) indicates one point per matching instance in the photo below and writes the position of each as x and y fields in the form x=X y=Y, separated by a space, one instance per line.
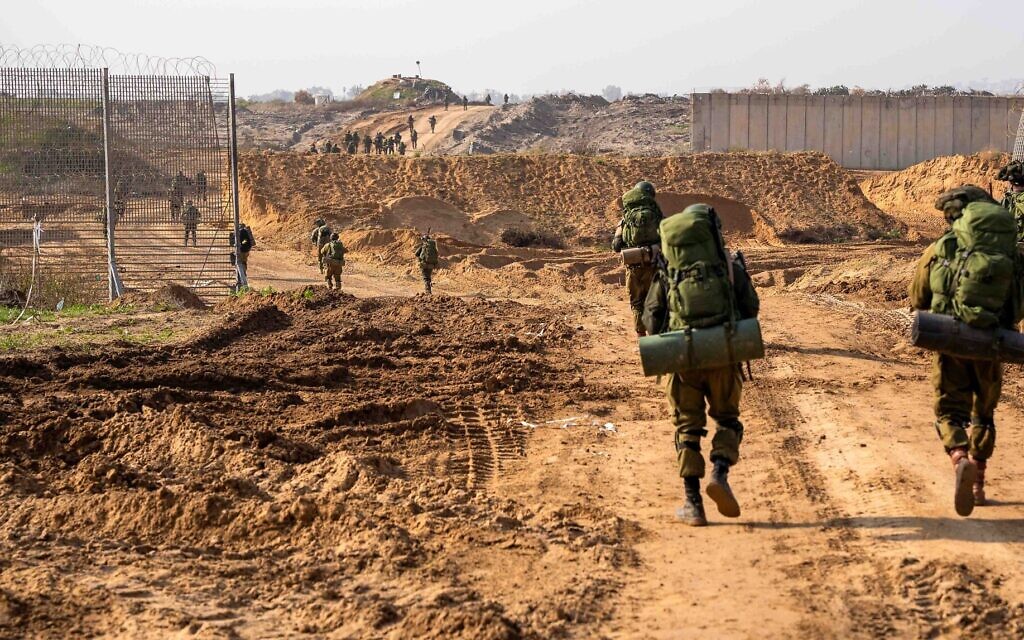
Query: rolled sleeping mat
x=709 y=348
x=641 y=255
x=946 y=334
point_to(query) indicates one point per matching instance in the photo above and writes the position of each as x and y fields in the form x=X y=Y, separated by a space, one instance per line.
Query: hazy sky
x=529 y=46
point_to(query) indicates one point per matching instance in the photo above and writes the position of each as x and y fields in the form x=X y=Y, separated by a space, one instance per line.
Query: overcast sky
x=532 y=46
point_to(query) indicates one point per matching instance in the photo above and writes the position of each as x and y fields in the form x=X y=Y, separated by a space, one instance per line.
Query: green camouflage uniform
x=333 y=255
x=638 y=277
x=1013 y=201
x=321 y=235
x=427 y=264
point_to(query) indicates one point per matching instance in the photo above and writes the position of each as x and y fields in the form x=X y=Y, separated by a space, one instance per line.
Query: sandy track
x=389 y=122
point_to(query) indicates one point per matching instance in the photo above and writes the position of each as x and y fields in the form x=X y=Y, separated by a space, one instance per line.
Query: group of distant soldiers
x=330 y=254
x=379 y=144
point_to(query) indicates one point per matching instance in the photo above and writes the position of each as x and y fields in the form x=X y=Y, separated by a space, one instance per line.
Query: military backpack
x=640 y=219
x=427 y=253
x=699 y=274
x=976 y=274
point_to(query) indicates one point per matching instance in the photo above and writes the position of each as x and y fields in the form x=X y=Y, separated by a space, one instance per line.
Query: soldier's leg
x=428 y=275
x=638 y=282
x=724 y=388
x=988 y=382
x=686 y=392
x=952 y=379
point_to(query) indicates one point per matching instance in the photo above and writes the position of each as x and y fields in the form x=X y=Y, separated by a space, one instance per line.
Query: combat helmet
x=952 y=202
x=645 y=188
x=319 y=222
x=1012 y=173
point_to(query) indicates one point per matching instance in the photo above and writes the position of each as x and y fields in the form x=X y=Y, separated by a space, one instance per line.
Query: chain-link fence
x=144 y=158
x=1018 y=142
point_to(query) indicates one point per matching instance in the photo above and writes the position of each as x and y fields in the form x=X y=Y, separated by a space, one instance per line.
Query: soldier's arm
x=655 y=316
x=920 y=287
x=748 y=304
x=617 y=238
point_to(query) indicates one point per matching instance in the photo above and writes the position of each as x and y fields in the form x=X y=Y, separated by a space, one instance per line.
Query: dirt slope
x=790 y=197
x=910 y=194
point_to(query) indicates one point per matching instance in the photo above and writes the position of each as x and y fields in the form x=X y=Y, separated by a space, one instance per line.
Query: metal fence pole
x=116 y=288
x=242 y=278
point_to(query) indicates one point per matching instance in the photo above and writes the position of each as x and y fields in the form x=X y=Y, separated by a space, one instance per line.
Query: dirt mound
x=801 y=197
x=637 y=125
x=322 y=460
x=736 y=217
x=169 y=296
x=910 y=194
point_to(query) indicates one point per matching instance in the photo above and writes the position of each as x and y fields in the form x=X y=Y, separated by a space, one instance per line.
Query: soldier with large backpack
x=1013 y=199
x=333 y=257
x=701 y=286
x=972 y=273
x=637 y=239
x=427 y=257
x=321 y=235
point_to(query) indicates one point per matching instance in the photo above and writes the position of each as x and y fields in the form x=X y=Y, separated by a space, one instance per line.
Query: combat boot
x=966 y=473
x=720 y=491
x=979 y=483
x=692 y=511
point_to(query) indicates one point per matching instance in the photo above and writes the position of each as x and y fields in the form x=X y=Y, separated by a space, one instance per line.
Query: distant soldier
x=401 y=148
x=352 y=147
x=638 y=229
x=446 y=102
x=378 y=143
x=506 y=99
x=433 y=123
x=320 y=236
x=190 y=218
x=178 y=185
x=426 y=255
x=328 y=146
x=335 y=149
x=367 y=143
x=465 y=103
x=332 y=255
x=487 y=100
x=201 y=186
x=312 y=148
x=390 y=147
x=348 y=138
x=245 y=243
x=398 y=137
x=413 y=137
x=410 y=121
x=1013 y=199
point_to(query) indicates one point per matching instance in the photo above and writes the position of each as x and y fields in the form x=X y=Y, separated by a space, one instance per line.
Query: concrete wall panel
x=699 y=113
x=777 y=117
x=981 y=131
x=907 y=152
x=815 y=123
x=796 y=123
x=853 y=116
x=925 y=138
x=944 y=126
x=889 y=134
x=998 y=114
x=719 y=122
x=870 y=131
x=758 y=123
x=961 y=125
x=834 y=127
x=739 y=121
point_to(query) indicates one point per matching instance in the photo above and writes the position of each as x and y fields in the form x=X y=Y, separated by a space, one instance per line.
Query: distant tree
x=837 y=90
x=304 y=97
x=612 y=93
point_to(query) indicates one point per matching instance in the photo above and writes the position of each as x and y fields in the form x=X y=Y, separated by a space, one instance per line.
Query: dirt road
x=389 y=122
x=520 y=482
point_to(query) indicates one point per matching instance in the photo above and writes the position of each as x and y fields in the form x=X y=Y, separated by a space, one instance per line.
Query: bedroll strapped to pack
x=707 y=348
x=946 y=334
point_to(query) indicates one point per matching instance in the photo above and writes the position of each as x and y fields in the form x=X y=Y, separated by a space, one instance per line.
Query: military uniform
x=245 y=244
x=333 y=254
x=190 y=218
x=638 y=228
x=426 y=256
x=321 y=235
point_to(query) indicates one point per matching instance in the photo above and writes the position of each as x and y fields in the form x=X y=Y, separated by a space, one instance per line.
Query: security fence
x=114 y=182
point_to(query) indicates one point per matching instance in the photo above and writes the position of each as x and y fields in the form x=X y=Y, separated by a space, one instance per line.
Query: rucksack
x=699 y=270
x=640 y=219
x=427 y=253
x=975 y=276
x=336 y=251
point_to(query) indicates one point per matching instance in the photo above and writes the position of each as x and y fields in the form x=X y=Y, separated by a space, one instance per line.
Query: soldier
x=506 y=99
x=967 y=391
x=1013 y=199
x=352 y=146
x=398 y=137
x=465 y=103
x=190 y=218
x=378 y=143
x=446 y=102
x=320 y=236
x=433 y=122
x=401 y=148
x=410 y=121
x=178 y=184
x=426 y=256
x=391 y=147
x=312 y=148
x=367 y=143
x=638 y=229
x=332 y=256
x=328 y=147
x=487 y=100
x=245 y=243
x=709 y=287
x=201 y=186
x=413 y=137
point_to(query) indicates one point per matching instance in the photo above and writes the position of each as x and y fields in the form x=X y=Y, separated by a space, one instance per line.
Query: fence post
x=242 y=279
x=116 y=288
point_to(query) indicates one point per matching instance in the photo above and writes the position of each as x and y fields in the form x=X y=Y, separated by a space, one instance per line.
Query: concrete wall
x=859 y=132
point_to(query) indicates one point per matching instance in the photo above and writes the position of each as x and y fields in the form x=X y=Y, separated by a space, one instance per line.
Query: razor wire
x=84 y=56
